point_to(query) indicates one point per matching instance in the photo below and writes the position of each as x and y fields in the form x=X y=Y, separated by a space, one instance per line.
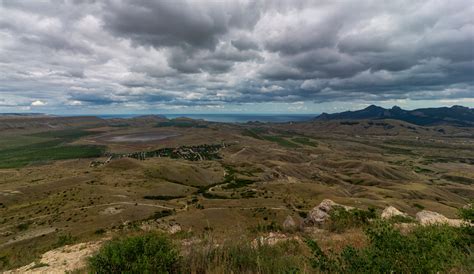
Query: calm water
x=143 y=137
x=230 y=118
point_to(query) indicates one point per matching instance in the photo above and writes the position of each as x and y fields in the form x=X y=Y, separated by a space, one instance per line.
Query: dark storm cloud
x=92 y=98
x=244 y=43
x=140 y=54
x=177 y=23
x=220 y=60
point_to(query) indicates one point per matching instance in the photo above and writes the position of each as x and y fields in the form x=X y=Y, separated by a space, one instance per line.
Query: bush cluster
x=152 y=253
x=149 y=253
x=426 y=249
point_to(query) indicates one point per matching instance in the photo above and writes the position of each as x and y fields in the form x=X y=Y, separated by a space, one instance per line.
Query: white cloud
x=38 y=103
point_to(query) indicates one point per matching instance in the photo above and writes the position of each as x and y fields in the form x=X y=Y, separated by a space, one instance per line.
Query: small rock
x=289 y=224
x=320 y=213
x=174 y=229
x=468 y=206
x=390 y=212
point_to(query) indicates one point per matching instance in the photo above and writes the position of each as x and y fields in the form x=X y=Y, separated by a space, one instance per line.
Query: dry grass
x=361 y=171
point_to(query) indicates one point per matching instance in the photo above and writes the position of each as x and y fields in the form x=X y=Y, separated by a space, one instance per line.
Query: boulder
x=320 y=213
x=426 y=217
x=390 y=212
x=289 y=224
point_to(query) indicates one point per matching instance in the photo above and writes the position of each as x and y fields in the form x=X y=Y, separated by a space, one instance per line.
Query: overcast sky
x=234 y=56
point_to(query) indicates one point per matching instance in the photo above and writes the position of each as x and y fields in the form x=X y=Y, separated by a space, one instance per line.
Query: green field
x=7 y=142
x=281 y=141
x=44 y=147
x=304 y=141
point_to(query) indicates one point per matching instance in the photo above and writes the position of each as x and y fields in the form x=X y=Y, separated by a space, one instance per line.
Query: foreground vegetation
x=427 y=249
x=423 y=249
x=150 y=253
x=155 y=253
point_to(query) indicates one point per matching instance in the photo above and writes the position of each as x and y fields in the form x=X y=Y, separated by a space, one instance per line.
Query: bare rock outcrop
x=426 y=217
x=320 y=213
x=289 y=224
x=273 y=238
x=164 y=226
x=174 y=228
x=390 y=212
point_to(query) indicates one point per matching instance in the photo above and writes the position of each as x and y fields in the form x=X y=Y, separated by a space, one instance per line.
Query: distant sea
x=229 y=118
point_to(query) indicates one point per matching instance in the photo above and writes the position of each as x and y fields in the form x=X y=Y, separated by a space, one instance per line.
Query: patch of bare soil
x=111 y=210
x=61 y=260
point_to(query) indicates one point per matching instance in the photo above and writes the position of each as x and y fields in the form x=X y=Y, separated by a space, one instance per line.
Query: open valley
x=224 y=178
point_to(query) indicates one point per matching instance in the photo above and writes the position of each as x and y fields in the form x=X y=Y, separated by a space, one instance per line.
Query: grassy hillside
x=386 y=249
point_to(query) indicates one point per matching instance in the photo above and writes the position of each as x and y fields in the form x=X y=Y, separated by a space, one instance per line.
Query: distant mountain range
x=455 y=115
x=14 y=114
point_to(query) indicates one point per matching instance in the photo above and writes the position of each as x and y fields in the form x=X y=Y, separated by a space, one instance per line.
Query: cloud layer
x=205 y=55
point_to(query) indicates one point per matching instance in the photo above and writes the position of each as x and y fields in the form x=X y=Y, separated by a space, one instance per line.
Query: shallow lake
x=143 y=137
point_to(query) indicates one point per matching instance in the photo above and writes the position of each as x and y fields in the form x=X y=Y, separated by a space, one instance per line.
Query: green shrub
x=209 y=195
x=401 y=219
x=467 y=213
x=427 y=249
x=150 y=253
x=100 y=231
x=248 y=194
x=160 y=214
x=303 y=214
x=238 y=183
x=23 y=226
x=341 y=219
x=418 y=206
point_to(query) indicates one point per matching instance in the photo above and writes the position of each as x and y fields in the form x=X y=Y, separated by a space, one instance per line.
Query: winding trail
x=247 y=208
x=124 y=203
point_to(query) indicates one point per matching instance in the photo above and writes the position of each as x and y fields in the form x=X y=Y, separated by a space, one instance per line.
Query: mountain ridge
x=455 y=115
